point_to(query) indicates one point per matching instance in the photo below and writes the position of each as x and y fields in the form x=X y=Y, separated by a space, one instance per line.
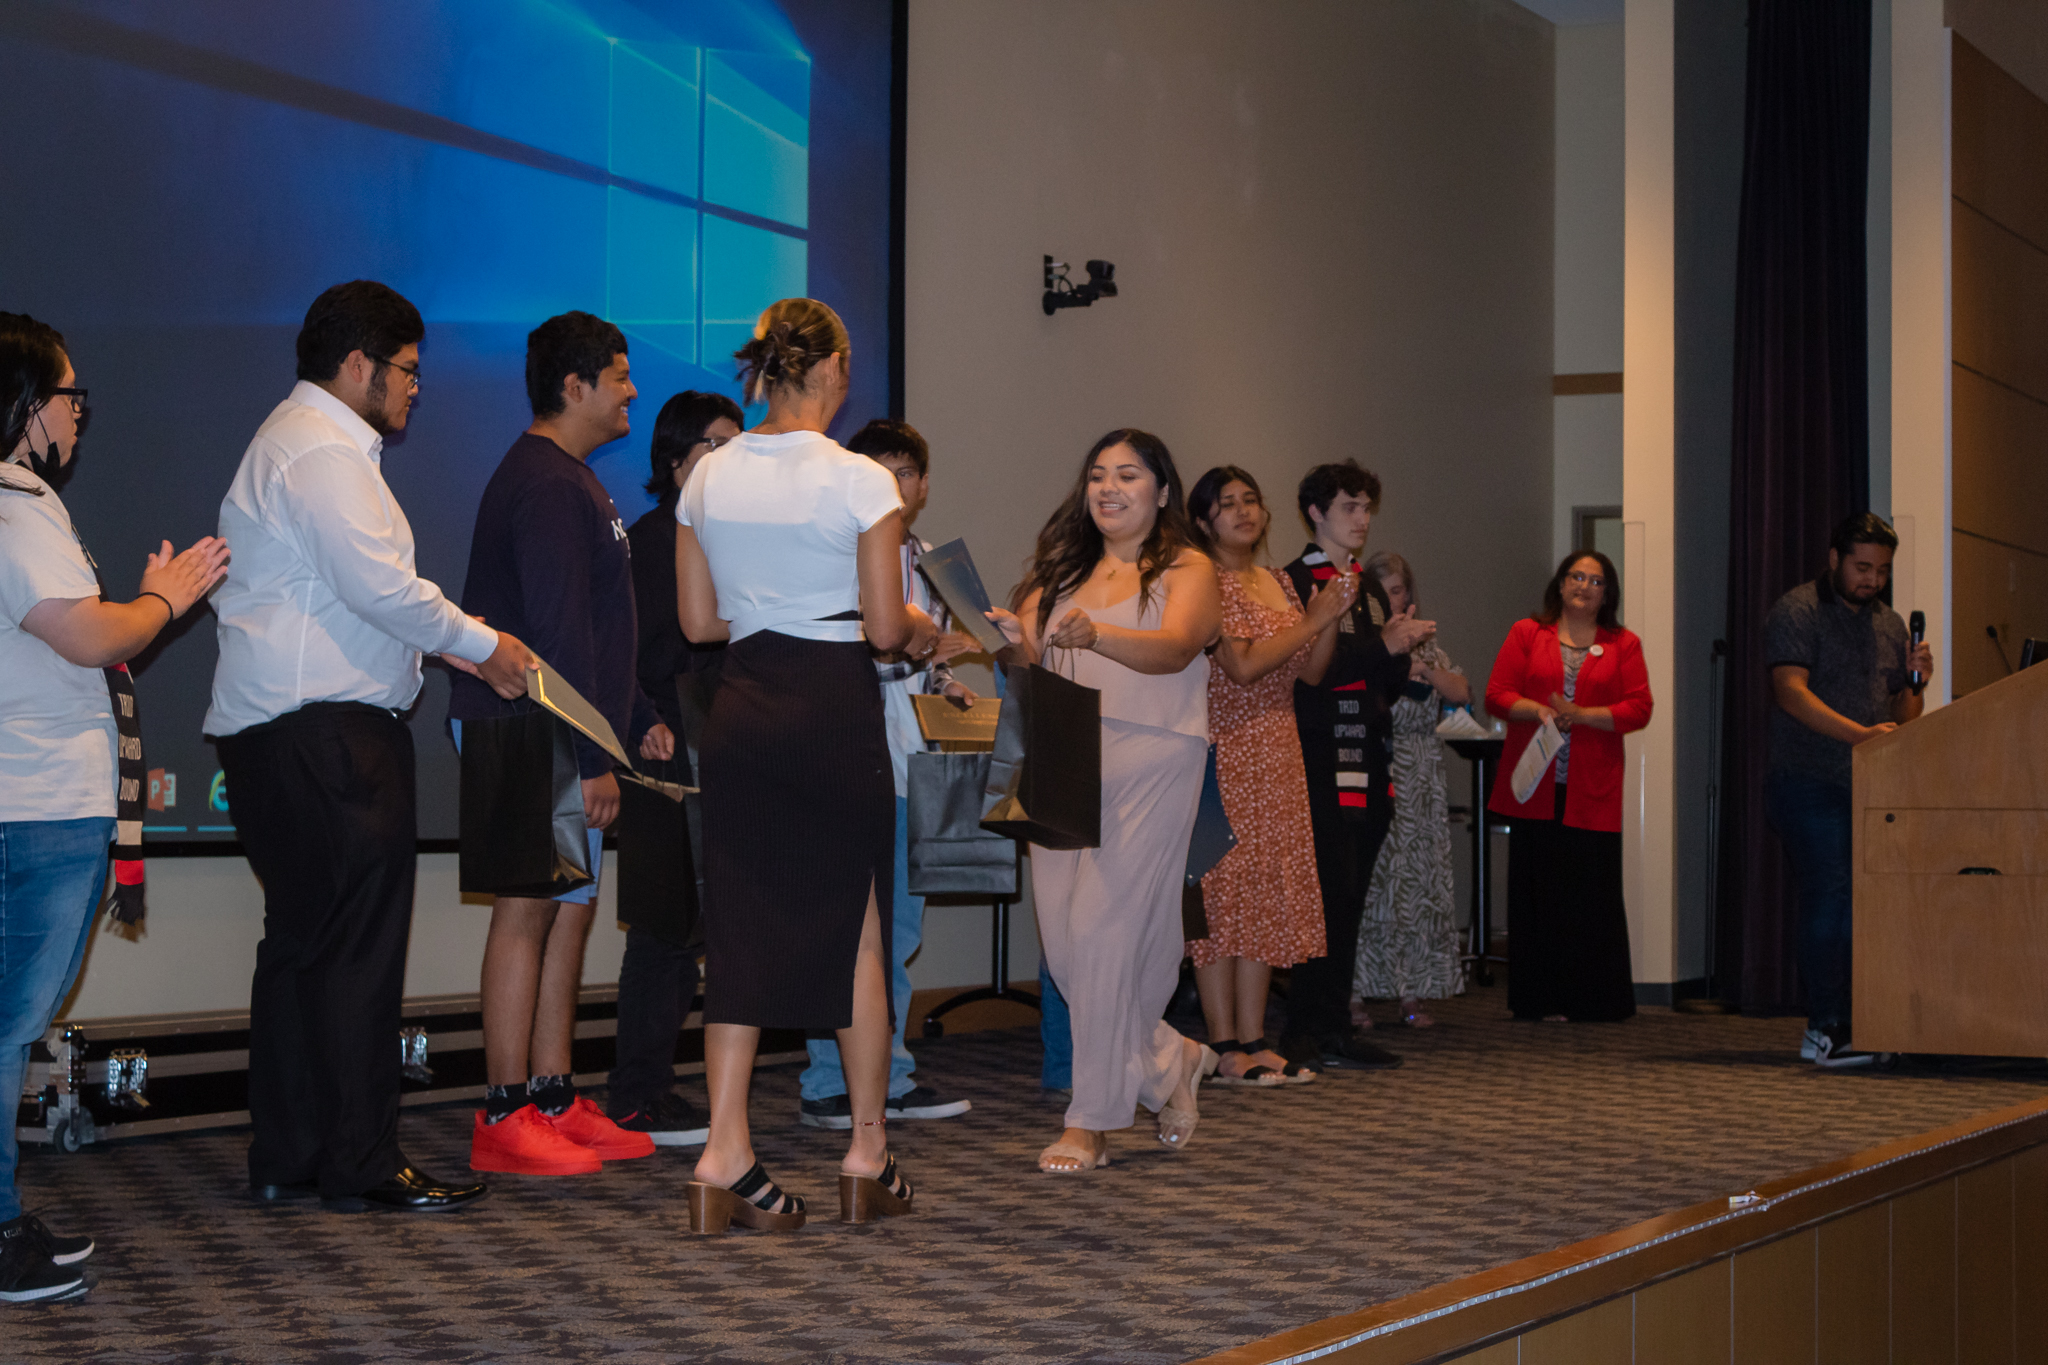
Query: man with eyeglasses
x=323 y=622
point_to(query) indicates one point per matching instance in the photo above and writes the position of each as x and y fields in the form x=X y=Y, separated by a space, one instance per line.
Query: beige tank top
x=1165 y=701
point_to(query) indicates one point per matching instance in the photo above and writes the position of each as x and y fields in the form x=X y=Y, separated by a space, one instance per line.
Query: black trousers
x=1319 y=991
x=1567 y=922
x=657 y=983
x=325 y=803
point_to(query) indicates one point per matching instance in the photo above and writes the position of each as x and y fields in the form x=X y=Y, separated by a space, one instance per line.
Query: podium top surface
x=1987 y=750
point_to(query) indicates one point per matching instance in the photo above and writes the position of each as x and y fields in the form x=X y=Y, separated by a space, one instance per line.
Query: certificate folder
x=951 y=570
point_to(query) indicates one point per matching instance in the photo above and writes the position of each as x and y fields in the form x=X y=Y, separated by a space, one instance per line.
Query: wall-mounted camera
x=1061 y=292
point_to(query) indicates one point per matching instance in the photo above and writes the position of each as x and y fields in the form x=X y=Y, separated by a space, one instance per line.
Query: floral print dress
x=1264 y=901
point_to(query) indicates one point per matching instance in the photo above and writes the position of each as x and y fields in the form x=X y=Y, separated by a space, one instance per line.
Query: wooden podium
x=1951 y=878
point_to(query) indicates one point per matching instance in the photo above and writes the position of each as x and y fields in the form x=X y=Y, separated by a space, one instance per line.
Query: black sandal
x=866 y=1198
x=752 y=1201
x=1294 y=1073
x=1254 y=1078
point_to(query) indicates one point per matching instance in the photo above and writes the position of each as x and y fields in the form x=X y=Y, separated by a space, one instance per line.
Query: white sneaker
x=1809 y=1044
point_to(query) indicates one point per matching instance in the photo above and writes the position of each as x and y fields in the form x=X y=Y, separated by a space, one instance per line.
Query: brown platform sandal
x=870 y=1198
x=750 y=1202
x=1253 y=1077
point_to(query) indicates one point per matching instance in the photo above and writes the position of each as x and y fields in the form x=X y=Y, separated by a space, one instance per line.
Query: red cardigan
x=1530 y=666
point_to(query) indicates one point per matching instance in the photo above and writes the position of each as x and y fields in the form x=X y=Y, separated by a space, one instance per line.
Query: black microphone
x=1917 y=624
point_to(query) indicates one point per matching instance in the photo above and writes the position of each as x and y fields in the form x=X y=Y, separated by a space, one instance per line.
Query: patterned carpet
x=1496 y=1141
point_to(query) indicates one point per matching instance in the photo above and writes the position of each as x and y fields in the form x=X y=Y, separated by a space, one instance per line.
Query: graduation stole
x=123 y=902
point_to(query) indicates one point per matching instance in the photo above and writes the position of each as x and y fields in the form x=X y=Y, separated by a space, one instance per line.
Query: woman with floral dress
x=1263 y=901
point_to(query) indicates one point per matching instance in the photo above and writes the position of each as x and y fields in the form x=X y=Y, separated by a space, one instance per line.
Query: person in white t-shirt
x=60 y=744
x=790 y=547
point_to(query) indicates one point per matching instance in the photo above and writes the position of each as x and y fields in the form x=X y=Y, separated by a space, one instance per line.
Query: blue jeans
x=51 y=875
x=1813 y=820
x=824 y=1077
x=1055 y=1034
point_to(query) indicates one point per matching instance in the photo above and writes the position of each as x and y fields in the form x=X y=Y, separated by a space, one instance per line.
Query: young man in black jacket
x=550 y=553
x=1346 y=726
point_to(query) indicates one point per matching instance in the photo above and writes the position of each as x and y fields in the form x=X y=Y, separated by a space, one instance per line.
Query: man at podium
x=1843 y=670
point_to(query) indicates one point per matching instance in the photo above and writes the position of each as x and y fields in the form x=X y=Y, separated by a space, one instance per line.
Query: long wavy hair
x=1070 y=546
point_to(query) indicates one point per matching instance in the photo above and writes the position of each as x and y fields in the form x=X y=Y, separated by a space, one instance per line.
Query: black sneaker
x=27 y=1274
x=834 y=1111
x=671 y=1121
x=1832 y=1050
x=1353 y=1053
x=62 y=1250
x=923 y=1102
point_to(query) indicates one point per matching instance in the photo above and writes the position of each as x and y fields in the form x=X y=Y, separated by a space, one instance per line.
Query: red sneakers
x=524 y=1142
x=584 y=1124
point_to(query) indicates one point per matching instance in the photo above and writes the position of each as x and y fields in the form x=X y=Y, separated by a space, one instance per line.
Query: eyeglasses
x=77 y=397
x=713 y=441
x=1590 y=580
x=412 y=371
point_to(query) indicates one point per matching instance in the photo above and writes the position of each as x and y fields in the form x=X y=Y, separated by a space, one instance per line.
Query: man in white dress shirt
x=323 y=621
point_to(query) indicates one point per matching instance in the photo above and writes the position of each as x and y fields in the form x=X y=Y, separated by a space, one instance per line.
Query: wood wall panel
x=1775 y=1302
x=1997 y=124
x=1855 y=1293
x=1500 y=1353
x=1924 y=1275
x=1684 y=1321
x=1984 y=1265
x=1993 y=585
x=2000 y=285
x=2001 y=462
x=1603 y=1335
x=2030 y=1254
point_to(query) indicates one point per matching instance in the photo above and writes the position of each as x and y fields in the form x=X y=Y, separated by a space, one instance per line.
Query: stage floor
x=1497 y=1140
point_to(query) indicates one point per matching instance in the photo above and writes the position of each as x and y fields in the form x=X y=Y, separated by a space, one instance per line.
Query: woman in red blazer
x=1575 y=665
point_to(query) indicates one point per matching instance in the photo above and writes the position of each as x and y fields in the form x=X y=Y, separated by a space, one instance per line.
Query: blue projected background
x=184 y=178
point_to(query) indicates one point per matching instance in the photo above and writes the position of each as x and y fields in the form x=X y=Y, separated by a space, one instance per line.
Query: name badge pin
x=1597 y=650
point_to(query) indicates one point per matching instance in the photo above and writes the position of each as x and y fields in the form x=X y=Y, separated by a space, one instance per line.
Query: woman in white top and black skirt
x=789 y=546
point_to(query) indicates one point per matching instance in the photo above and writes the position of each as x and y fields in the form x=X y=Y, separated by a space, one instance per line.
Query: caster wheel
x=65 y=1138
x=933 y=1028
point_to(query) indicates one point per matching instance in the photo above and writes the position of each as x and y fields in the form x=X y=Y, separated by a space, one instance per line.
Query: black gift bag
x=1045 y=776
x=522 y=808
x=657 y=876
x=950 y=853
x=1212 y=839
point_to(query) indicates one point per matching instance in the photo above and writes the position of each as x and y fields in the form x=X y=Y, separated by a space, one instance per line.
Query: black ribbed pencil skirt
x=799 y=822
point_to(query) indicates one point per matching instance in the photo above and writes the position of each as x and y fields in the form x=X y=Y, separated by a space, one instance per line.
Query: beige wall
x=1332 y=227
x=1586 y=334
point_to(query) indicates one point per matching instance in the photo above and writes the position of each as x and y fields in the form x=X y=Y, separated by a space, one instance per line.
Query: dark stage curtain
x=1801 y=455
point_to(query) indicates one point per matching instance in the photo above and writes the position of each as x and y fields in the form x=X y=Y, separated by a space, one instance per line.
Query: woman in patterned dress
x=1408 y=945
x=1264 y=902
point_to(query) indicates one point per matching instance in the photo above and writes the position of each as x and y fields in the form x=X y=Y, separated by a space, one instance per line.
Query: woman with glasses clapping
x=1574 y=665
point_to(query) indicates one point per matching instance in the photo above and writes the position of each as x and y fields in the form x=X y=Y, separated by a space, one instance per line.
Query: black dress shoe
x=278 y=1194
x=1354 y=1053
x=411 y=1190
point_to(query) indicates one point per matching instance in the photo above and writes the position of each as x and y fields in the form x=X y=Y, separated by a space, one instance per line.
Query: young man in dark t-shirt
x=550 y=553
x=1841 y=672
x=1346 y=725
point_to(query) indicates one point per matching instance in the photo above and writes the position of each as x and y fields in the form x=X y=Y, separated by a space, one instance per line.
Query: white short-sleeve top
x=57 y=736
x=780 y=519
